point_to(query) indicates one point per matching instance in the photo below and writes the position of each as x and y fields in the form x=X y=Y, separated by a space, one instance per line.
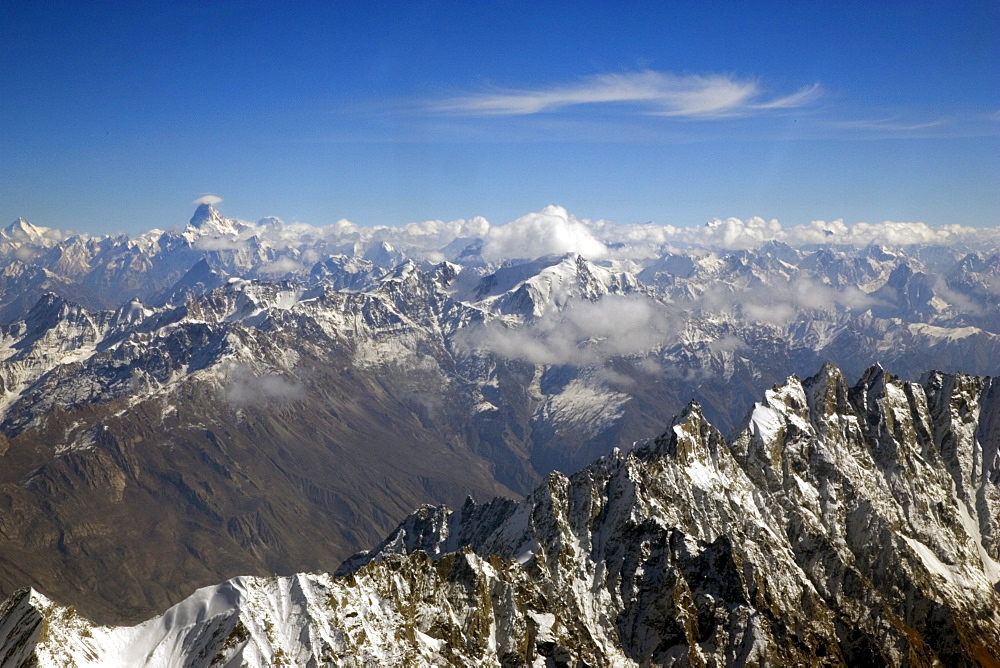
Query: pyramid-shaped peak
x=22 y=230
x=203 y=214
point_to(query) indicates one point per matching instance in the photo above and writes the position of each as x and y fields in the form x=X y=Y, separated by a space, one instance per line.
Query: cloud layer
x=739 y=234
x=781 y=301
x=554 y=231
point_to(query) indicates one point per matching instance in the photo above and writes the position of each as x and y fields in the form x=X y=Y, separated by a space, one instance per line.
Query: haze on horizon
x=115 y=116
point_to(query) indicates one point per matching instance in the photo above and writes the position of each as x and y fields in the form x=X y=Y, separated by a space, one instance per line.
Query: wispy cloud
x=890 y=124
x=799 y=98
x=584 y=333
x=659 y=93
x=249 y=388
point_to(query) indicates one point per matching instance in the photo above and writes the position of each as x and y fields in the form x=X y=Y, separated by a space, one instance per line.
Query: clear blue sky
x=115 y=116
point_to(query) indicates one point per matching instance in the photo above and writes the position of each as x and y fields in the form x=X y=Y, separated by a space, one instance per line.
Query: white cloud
x=697 y=96
x=247 y=388
x=434 y=229
x=799 y=98
x=770 y=311
x=583 y=333
x=780 y=302
x=891 y=233
x=551 y=231
x=281 y=266
x=428 y=238
x=890 y=124
x=880 y=126
x=727 y=344
x=208 y=198
x=344 y=227
x=738 y=234
x=992 y=285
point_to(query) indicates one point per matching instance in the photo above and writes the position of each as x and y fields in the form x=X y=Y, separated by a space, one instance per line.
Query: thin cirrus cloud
x=659 y=93
x=890 y=124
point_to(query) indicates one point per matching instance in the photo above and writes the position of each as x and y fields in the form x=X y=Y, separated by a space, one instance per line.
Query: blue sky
x=115 y=116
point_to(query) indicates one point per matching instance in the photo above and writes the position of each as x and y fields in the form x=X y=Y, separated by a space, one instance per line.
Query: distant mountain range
x=236 y=398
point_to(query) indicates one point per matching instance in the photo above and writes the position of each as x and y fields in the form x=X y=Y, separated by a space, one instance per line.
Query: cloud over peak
x=551 y=231
x=659 y=93
x=208 y=198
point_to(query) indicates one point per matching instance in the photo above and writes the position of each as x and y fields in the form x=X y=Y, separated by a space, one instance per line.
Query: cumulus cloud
x=208 y=198
x=551 y=231
x=738 y=234
x=438 y=229
x=429 y=239
x=583 y=333
x=888 y=233
x=247 y=388
x=661 y=93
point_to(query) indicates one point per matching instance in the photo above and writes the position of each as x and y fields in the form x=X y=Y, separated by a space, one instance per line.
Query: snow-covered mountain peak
x=691 y=440
x=827 y=394
x=26 y=241
x=548 y=284
x=272 y=221
x=48 y=310
x=208 y=221
x=383 y=255
x=205 y=213
x=22 y=230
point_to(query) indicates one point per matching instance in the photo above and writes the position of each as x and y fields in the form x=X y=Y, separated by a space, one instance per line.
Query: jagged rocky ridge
x=842 y=526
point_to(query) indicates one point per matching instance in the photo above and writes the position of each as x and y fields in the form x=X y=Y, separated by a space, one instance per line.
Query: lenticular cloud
x=208 y=198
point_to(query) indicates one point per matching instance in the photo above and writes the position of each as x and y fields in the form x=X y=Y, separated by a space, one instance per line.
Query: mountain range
x=245 y=399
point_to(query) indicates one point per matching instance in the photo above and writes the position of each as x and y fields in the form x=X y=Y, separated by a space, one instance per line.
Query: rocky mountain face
x=191 y=405
x=840 y=526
